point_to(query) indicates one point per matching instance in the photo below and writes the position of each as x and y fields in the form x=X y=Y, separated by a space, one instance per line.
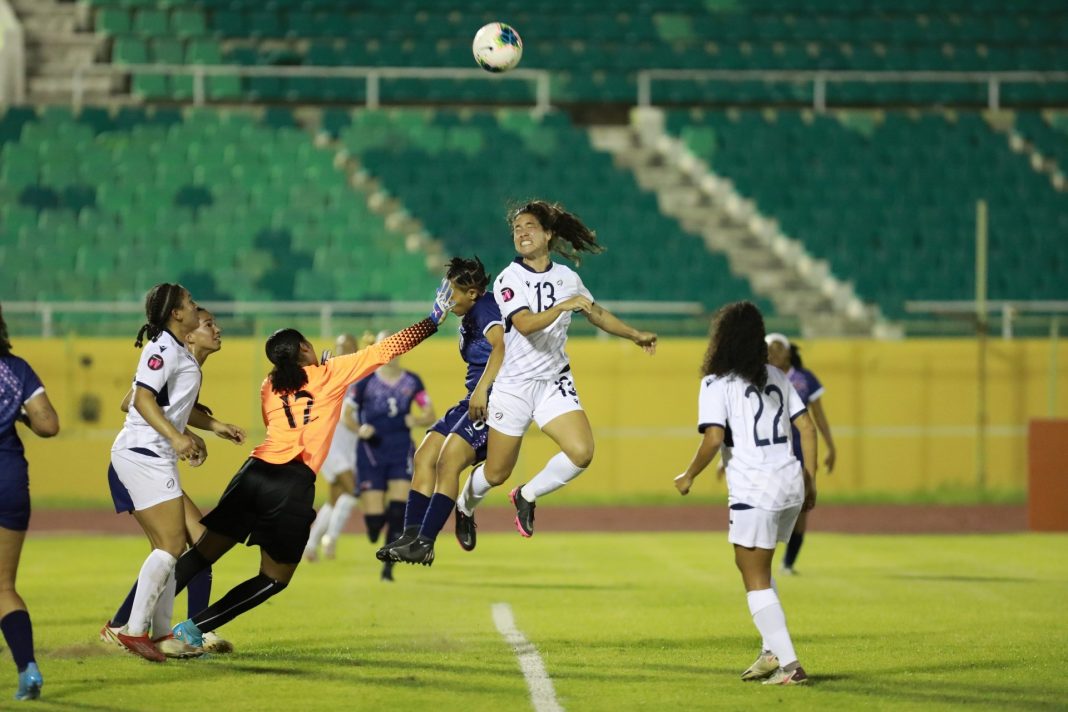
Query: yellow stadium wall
x=903 y=413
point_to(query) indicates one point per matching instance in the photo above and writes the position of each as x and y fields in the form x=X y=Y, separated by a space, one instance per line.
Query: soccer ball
x=497 y=47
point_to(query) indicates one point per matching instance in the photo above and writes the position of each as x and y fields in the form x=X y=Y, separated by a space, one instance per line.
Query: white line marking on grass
x=542 y=693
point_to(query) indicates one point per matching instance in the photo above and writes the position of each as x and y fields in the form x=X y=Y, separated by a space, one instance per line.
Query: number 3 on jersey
x=776 y=438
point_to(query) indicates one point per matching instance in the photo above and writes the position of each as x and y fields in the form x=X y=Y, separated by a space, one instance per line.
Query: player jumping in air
x=268 y=503
x=743 y=395
x=537 y=297
x=383 y=404
x=22 y=399
x=458 y=440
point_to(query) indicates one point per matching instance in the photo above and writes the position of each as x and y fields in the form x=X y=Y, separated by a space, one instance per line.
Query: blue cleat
x=188 y=633
x=30 y=683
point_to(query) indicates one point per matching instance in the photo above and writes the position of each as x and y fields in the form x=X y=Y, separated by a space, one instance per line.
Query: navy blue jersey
x=474 y=347
x=809 y=388
x=18 y=383
x=384 y=406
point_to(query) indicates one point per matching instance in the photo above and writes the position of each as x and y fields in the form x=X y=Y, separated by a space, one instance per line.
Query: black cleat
x=384 y=554
x=387 y=571
x=419 y=551
x=465 y=530
x=524 y=512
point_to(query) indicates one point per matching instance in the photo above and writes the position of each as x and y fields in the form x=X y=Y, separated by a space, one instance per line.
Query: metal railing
x=820 y=79
x=373 y=77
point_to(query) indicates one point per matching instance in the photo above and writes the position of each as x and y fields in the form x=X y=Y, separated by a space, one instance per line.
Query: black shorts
x=270 y=506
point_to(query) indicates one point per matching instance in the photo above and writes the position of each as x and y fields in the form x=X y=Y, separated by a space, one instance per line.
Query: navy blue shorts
x=120 y=496
x=375 y=467
x=15 y=499
x=456 y=421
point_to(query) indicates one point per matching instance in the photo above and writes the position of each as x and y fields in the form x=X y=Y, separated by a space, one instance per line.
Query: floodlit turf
x=622 y=622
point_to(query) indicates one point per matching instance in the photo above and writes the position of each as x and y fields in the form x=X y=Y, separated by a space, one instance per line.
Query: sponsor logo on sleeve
x=155 y=362
x=507 y=294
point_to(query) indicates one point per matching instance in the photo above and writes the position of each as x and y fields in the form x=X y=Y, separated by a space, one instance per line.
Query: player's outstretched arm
x=609 y=323
x=202 y=421
x=706 y=452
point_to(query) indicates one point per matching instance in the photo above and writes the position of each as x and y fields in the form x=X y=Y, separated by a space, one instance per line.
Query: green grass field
x=622 y=622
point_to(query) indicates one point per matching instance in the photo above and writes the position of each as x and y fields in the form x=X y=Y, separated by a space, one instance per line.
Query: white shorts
x=148 y=480
x=761 y=528
x=336 y=463
x=512 y=406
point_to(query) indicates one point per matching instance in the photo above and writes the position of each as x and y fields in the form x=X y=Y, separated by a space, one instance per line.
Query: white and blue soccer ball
x=497 y=47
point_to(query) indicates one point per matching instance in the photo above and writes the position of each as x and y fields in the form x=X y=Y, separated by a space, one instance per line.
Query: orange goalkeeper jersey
x=301 y=424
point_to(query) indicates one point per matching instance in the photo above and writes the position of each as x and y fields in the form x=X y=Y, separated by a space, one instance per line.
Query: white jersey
x=341 y=456
x=761 y=470
x=167 y=369
x=541 y=354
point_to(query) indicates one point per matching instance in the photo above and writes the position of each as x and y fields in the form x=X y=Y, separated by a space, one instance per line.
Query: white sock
x=161 y=616
x=319 y=526
x=770 y=620
x=157 y=569
x=342 y=509
x=475 y=489
x=764 y=648
x=558 y=471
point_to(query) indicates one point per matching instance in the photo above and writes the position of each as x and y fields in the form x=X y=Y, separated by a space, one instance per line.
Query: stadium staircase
x=778 y=268
x=54 y=48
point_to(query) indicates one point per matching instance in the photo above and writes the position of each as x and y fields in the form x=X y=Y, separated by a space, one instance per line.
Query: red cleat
x=141 y=645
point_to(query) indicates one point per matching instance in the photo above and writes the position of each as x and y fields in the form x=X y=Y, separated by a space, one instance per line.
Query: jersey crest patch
x=507 y=294
x=155 y=362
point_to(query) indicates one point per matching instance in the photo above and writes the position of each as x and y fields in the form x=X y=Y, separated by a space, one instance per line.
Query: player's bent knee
x=582 y=456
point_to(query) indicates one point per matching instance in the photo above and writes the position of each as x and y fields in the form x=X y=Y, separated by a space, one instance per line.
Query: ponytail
x=160 y=301
x=283 y=350
x=570 y=236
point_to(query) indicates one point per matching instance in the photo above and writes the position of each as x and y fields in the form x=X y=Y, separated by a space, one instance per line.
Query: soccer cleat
x=765 y=665
x=188 y=633
x=329 y=548
x=311 y=555
x=110 y=634
x=465 y=530
x=417 y=551
x=178 y=649
x=524 y=512
x=796 y=676
x=386 y=552
x=30 y=682
x=387 y=571
x=141 y=645
x=215 y=644
x=788 y=571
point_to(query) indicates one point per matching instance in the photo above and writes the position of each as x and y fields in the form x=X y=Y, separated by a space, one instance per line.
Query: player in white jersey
x=339 y=469
x=536 y=297
x=748 y=405
x=145 y=455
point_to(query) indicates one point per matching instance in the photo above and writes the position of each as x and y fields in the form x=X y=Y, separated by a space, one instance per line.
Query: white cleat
x=766 y=664
x=110 y=634
x=796 y=676
x=174 y=648
x=215 y=644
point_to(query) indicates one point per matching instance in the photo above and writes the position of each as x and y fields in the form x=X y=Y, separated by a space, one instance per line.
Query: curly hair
x=570 y=234
x=736 y=344
x=5 y=343
x=468 y=273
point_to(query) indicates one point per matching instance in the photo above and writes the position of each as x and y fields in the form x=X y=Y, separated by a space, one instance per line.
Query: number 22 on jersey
x=777 y=438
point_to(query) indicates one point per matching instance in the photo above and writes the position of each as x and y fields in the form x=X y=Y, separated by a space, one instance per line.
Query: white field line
x=542 y=693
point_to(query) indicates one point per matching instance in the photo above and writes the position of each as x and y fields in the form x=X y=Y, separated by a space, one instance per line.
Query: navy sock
x=243 y=597
x=374 y=524
x=191 y=563
x=441 y=507
x=793 y=548
x=394 y=521
x=199 y=591
x=416 y=510
x=19 y=636
x=122 y=616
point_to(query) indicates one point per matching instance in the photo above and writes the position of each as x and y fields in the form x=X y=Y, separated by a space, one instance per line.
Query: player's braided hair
x=5 y=343
x=283 y=350
x=570 y=236
x=160 y=301
x=467 y=273
x=737 y=344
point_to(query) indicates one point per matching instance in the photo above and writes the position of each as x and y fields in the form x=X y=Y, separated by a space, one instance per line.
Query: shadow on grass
x=962 y=579
x=514 y=585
